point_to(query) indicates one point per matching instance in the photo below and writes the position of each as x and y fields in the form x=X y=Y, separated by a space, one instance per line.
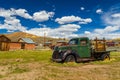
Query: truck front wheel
x=69 y=58
x=105 y=56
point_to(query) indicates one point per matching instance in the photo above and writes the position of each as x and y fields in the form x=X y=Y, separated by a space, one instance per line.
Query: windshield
x=73 y=42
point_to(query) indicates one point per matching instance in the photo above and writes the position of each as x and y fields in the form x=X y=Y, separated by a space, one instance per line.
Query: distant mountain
x=38 y=39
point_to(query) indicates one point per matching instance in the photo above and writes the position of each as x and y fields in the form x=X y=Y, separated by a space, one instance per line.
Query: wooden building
x=110 y=43
x=7 y=44
x=4 y=43
x=27 y=43
x=117 y=43
x=113 y=43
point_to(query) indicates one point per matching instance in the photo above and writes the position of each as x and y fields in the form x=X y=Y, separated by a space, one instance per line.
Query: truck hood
x=63 y=48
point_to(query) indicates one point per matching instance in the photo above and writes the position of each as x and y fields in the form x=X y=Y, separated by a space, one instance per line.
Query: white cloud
x=87 y=32
x=73 y=35
x=85 y=21
x=11 y=23
x=39 y=31
x=42 y=25
x=12 y=27
x=116 y=15
x=111 y=20
x=14 y=12
x=112 y=35
x=21 y=12
x=82 y=8
x=99 y=11
x=93 y=35
x=42 y=16
x=67 y=19
x=107 y=29
x=106 y=35
x=69 y=28
x=70 y=19
x=11 y=20
x=5 y=13
x=63 y=31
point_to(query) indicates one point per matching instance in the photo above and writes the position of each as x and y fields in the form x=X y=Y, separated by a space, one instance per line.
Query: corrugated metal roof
x=61 y=41
x=27 y=40
x=47 y=42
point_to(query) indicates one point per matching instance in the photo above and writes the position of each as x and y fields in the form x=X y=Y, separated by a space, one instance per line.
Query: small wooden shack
x=4 y=43
x=110 y=43
x=113 y=43
x=27 y=43
x=8 y=44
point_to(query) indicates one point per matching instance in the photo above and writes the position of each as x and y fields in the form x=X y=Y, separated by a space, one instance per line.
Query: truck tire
x=70 y=58
x=105 y=56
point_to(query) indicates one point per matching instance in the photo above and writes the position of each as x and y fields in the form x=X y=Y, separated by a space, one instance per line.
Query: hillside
x=38 y=39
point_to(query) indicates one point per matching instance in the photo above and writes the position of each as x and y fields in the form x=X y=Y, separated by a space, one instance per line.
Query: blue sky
x=61 y=18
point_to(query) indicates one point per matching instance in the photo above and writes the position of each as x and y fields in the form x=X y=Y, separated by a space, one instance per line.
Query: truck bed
x=102 y=51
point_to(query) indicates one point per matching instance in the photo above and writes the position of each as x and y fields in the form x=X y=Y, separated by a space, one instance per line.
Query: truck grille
x=56 y=55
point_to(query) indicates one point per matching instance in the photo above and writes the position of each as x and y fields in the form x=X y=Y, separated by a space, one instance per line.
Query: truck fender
x=69 y=52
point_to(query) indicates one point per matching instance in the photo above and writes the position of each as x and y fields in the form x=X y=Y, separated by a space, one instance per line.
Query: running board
x=85 y=59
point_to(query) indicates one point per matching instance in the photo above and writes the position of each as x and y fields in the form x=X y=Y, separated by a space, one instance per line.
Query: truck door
x=84 y=48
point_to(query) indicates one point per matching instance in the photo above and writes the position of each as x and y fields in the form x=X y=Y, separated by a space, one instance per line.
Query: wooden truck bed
x=99 y=45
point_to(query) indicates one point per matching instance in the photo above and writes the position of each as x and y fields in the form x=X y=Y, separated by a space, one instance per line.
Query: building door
x=0 y=46
x=22 y=45
x=4 y=46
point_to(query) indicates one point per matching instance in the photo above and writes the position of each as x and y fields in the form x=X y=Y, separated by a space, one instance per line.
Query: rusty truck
x=81 y=49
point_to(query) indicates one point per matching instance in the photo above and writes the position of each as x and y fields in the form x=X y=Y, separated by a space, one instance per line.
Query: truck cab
x=81 y=46
x=80 y=49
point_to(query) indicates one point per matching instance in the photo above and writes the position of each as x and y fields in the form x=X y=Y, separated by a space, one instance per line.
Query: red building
x=14 y=46
x=27 y=43
x=7 y=44
x=110 y=44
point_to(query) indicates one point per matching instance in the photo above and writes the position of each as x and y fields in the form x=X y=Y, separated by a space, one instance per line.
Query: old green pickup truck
x=80 y=50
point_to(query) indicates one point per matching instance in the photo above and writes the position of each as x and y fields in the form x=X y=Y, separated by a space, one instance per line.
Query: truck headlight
x=60 y=51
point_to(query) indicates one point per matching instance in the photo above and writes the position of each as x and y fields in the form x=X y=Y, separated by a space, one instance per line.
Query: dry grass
x=36 y=65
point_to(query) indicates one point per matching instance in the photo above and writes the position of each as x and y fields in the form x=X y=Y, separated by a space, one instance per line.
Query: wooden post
x=96 y=46
x=104 y=44
x=44 y=39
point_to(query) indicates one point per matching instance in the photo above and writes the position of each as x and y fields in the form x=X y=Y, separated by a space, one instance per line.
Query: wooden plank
x=4 y=46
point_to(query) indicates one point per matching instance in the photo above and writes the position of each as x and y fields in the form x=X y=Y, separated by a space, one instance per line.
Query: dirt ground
x=41 y=71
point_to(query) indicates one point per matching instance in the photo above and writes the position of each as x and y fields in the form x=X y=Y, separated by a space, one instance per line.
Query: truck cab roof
x=80 y=38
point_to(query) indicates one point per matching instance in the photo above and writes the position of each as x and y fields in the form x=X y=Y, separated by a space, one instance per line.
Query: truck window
x=73 y=42
x=83 y=42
